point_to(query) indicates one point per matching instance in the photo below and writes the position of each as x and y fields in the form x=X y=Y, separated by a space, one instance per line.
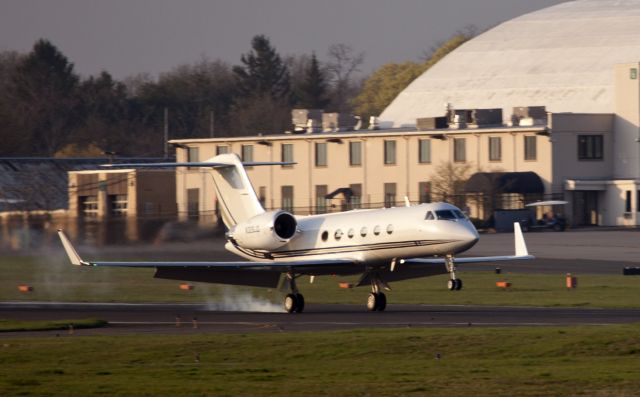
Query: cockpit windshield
x=459 y=214
x=447 y=215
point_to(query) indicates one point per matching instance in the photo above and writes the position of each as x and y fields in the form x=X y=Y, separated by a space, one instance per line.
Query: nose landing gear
x=454 y=283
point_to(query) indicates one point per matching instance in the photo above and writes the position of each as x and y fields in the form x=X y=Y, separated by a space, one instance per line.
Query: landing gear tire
x=294 y=303
x=290 y=303
x=300 y=303
x=382 y=302
x=454 y=285
x=376 y=302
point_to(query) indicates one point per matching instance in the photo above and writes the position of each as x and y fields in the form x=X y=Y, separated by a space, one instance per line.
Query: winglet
x=71 y=252
x=521 y=246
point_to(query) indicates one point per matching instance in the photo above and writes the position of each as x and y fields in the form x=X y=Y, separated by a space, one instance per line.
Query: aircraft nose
x=469 y=235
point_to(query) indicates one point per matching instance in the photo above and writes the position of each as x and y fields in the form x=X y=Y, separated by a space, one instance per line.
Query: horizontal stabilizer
x=204 y=164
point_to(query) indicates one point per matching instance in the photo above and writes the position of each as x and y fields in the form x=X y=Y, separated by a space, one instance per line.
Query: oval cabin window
x=363 y=231
x=376 y=230
x=389 y=229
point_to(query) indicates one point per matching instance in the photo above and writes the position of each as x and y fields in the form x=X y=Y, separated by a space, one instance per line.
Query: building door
x=193 y=203
x=585 y=208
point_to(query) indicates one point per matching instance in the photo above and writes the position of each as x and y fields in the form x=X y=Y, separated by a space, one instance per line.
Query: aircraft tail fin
x=236 y=197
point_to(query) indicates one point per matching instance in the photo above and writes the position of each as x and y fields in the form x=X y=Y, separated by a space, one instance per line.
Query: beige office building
x=588 y=159
x=577 y=60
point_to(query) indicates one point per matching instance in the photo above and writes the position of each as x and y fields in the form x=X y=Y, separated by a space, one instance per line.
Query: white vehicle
x=382 y=245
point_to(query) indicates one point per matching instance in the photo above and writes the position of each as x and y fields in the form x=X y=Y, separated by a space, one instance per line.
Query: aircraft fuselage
x=374 y=235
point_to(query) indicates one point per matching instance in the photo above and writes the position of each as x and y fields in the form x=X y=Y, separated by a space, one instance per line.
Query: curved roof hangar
x=561 y=57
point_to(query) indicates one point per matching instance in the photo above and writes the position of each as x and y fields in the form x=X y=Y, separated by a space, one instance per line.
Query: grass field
x=45 y=325
x=55 y=279
x=569 y=361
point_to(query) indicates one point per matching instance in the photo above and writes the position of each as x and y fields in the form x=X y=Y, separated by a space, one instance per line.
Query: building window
x=193 y=156
x=424 y=151
x=193 y=203
x=222 y=149
x=424 y=191
x=459 y=150
x=627 y=202
x=321 y=201
x=530 y=151
x=355 y=153
x=590 y=147
x=495 y=149
x=89 y=206
x=389 y=152
x=389 y=195
x=321 y=154
x=287 y=198
x=118 y=204
x=247 y=153
x=356 y=195
x=287 y=154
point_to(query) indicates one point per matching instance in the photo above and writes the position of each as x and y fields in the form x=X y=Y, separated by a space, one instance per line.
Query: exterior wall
x=614 y=212
x=627 y=121
x=565 y=129
x=406 y=173
x=148 y=192
x=154 y=192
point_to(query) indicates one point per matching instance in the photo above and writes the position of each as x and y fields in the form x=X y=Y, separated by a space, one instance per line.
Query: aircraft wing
x=261 y=274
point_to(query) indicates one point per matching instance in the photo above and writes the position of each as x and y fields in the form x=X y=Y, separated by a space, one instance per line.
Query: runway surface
x=190 y=319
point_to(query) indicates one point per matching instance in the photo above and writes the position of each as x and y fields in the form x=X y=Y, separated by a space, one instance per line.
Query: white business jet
x=382 y=245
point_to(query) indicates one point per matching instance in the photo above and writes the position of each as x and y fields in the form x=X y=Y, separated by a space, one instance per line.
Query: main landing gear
x=454 y=284
x=294 y=301
x=377 y=300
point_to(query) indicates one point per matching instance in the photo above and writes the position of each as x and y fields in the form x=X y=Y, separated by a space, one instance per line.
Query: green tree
x=448 y=182
x=192 y=93
x=106 y=123
x=43 y=92
x=264 y=102
x=263 y=71
x=311 y=91
x=384 y=85
x=13 y=139
x=344 y=63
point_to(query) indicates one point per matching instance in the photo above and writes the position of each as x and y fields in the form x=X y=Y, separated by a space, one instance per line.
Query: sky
x=129 y=37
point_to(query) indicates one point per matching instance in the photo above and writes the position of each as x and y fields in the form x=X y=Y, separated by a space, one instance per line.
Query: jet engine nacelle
x=267 y=231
